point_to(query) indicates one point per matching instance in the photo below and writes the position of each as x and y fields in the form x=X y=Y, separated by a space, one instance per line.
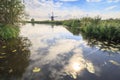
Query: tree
x=32 y=20
x=11 y=11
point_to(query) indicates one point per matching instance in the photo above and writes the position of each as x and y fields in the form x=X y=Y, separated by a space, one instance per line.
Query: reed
x=108 y=30
x=9 y=31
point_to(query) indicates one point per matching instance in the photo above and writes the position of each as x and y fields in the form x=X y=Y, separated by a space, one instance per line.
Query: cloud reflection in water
x=77 y=64
x=56 y=51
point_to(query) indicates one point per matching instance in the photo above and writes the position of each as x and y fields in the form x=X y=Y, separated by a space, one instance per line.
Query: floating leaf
x=114 y=62
x=3 y=53
x=36 y=69
x=23 y=49
x=74 y=75
x=90 y=67
x=11 y=70
x=3 y=46
x=14 y=50
x=2 y=57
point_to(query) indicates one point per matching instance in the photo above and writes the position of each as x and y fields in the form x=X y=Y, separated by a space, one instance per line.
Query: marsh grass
x=102 y=30
x=108 y=30
x=9 y=31
x=72 y=23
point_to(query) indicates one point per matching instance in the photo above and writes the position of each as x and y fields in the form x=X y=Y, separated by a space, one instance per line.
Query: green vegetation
x=95 y=28
x=11 y=13
x=107 y=30
x=72 y=23
x=9 y=31
x=45 y=22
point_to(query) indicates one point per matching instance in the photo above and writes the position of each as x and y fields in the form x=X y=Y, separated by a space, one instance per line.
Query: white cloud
x=93 y=0
x=110 y=8
x=41 y=10
x=109 y=1
x=68 y=0
x=105 y=15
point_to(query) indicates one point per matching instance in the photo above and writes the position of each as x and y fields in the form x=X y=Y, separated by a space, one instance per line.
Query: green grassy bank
x=8 y=31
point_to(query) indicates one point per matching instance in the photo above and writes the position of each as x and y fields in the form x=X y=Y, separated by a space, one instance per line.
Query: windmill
x=52 y=17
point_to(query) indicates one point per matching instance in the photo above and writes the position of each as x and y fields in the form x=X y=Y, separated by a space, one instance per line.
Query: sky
x=67 y=9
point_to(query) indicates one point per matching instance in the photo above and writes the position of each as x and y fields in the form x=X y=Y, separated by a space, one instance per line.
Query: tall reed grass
x=108 y=30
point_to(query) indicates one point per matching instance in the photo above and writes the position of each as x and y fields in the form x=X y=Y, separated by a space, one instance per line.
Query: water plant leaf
x=74 y=75
x=11 y=70
x=36 y=69
x=14 y=50
x=90 y=67
x=3 y=53
x=3 y=46
x=23 y=49
x=114 y=62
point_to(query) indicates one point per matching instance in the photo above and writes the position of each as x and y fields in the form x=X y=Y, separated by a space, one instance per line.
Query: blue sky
x=66 y=9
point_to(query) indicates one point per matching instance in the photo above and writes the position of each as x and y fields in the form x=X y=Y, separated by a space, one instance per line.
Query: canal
x=47 y=52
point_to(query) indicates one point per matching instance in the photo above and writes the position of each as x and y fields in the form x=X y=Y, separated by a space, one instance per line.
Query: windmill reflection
x=52 y=25
x=14 y=58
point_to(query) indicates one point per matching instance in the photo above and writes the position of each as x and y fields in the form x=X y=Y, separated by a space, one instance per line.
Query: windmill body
x=52 y=17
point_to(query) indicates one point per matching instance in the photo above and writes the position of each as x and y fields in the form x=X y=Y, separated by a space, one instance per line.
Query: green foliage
x=108 y=30
x=102 y=30
x=72 y=23
x=11 y=11
x=9 y=31
x=46 y=22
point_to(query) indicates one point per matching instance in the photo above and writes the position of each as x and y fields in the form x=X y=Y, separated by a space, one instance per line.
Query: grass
x=72 y=23
x=8 y=31
x=107 y=30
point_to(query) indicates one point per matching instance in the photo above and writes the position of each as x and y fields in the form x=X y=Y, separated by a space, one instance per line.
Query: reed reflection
x=102 y=44
x=14 y=58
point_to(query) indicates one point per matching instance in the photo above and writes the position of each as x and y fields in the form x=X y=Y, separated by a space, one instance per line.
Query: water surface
x=58 y=54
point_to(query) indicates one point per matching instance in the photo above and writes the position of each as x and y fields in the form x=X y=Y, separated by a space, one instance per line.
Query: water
x=45 y=52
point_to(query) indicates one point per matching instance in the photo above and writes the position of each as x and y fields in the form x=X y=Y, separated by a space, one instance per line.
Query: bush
x=9 y=31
